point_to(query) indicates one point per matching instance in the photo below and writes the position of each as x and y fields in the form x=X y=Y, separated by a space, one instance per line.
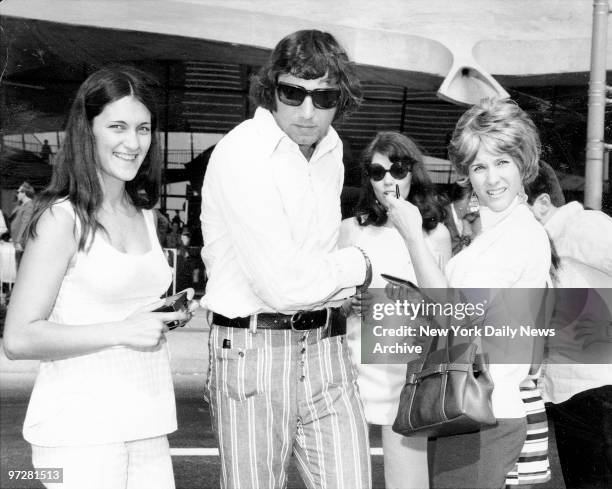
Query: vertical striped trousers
x=278 y=393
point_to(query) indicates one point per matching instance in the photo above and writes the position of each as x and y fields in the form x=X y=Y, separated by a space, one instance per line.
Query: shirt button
x=303 y=338
x=303 y=351
x=241 y=353
x=302 y=378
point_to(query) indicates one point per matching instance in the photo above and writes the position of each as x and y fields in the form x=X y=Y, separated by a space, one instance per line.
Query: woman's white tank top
x=116 y=394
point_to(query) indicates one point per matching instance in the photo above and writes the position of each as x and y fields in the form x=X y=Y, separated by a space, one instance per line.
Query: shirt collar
x=489 y=218
x=554 y=226
x=272 y=135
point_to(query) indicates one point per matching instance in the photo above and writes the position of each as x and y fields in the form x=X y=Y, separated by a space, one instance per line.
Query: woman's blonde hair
x=501 y=126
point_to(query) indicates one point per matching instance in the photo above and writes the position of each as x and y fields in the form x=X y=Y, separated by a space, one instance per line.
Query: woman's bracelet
x=368 y=278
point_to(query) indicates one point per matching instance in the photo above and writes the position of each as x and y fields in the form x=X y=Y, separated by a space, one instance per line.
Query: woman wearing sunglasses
x=103 y=401
x=392 y=164
x=495 y=150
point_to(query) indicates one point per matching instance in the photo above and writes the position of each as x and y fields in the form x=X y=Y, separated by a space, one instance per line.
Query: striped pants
x=278 y=393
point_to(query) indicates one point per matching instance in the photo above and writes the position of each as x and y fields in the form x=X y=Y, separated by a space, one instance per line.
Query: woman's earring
x=473 y=204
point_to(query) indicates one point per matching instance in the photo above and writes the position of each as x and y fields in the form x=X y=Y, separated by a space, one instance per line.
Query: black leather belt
x=300 y=321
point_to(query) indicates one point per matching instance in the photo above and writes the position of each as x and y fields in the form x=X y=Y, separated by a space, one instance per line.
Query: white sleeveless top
x=380 y=385
x=116 y=394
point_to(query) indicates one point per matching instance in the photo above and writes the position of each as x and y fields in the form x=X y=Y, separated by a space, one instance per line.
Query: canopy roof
x=404 y=50
x=519 y=42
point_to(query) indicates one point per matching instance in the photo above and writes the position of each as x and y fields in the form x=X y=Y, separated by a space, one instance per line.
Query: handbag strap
x=431 y=346
x=413 y=378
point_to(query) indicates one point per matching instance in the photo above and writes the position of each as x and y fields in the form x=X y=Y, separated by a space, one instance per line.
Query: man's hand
x=361 y=303
x=591 y=330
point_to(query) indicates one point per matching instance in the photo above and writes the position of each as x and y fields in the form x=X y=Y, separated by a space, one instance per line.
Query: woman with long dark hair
x=92 y=270
x=391 y=164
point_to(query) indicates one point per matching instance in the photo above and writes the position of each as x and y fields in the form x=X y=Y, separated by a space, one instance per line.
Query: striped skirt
x=532 y=466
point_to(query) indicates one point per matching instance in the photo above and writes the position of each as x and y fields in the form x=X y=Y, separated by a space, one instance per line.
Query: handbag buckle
x=412 y=379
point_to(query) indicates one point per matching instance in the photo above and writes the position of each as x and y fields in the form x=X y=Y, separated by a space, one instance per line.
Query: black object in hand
x=177 y=302
x=398 y=281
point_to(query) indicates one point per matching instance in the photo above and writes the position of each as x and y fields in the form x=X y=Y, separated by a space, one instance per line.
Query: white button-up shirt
x=583 y=240
x=270 y=222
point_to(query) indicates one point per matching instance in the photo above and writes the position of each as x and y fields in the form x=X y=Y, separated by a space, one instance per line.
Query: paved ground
x=199 y=471
x=191 y=471
x=195 y=459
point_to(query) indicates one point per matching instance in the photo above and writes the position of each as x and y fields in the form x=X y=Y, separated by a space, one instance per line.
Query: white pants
x=405 y=460
x=138 y=464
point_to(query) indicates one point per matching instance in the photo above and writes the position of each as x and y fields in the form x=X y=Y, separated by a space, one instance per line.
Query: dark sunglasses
x=398 y=170
x=294 y=95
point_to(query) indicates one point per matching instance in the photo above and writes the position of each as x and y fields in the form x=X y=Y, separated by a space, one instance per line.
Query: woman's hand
x=395 y=292
x=406 y=217
x=144 y=330
x=192 y=306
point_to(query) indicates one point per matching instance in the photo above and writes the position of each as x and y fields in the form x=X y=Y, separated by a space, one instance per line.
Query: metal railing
x=32 y=146
x=176 y=157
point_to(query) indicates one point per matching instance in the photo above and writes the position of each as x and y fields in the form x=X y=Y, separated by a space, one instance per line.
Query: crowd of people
x=287 y=292
x=175 y=238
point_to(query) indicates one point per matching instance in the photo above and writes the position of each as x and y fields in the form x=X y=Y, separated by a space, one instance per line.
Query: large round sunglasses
x=294 y=95
x=399 y=170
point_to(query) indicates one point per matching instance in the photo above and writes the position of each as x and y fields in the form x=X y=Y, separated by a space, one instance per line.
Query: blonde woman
x=495 y=149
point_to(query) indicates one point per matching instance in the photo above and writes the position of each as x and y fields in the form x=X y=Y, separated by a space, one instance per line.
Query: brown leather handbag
x=447 y=392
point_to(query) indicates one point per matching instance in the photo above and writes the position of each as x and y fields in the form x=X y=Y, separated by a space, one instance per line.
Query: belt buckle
x=295 y=317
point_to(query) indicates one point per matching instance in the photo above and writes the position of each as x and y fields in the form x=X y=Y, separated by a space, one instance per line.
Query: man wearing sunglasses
x=280 y=381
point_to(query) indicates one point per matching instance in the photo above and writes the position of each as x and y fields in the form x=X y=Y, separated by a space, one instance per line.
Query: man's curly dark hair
x=308 y=54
